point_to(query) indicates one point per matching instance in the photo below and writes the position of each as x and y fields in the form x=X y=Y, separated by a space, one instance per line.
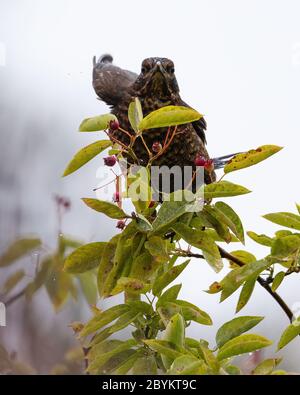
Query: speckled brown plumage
x=156 y=87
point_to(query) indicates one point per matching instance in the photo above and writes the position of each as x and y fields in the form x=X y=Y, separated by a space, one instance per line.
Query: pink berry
x=200 y=161
x=121 y=224
x=110 y=160
x=116 y=197
x=114 y=125
x=156 y=146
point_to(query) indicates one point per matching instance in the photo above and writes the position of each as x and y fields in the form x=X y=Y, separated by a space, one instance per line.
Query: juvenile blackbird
x=156 y=86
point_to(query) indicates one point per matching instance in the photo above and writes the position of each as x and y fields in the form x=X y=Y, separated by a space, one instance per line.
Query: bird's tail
x=221 y=161
x=106 y=58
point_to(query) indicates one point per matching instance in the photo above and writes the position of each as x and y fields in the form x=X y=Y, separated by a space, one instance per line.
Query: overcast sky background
x=237 y=62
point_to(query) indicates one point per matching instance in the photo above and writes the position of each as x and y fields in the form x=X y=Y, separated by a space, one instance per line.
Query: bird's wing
x=199 y=126
x=110 y=82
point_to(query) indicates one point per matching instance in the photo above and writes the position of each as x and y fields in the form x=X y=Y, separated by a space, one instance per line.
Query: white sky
x=238 y=62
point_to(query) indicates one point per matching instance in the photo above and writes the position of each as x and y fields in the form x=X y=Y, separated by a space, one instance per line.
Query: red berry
x=121 y=224
x=116 y=197
x=114 y=124
x=110 y=160
x=200 y=161
x=151 y=204
x=209 y=165
x=66 y=203
x=156 y=146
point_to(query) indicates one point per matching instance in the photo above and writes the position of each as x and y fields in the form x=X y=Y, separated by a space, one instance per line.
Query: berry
x=120 y=224
x=110 y=160
x=209 y=165
x=116 y=197
x=151 y=204
x=66 y=204
x=114 y=125
x=156 y=146
x=200 y=161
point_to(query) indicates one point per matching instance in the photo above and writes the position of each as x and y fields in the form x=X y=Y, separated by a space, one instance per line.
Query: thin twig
x=14 y=298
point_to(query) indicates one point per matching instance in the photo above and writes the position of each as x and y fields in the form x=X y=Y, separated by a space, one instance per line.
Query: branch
x=262 y=282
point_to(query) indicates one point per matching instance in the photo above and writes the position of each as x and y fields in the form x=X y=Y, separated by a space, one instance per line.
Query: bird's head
x=157 y=79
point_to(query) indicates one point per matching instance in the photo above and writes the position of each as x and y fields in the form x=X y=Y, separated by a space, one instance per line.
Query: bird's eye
x=172 y=70
x=144 y=70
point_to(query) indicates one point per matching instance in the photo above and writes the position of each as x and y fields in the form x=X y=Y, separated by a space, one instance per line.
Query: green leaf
x=125 y=366
x=106 y=263
x=231 y=219
x=124 y=320
x=84 y=258
x=18 y=249
x=169 y=116
x=169 y=295
x=223 y=189
x=103 y=318
x=85 y=155
x=164 y=347
x=143 y=224
x=101 y=358
x=260 y=239
x=266 y=367
x=232 y=370
x=243 y=255
x=13 y=280
x=58 y=287
x=200 y=239
x=235 y=327
x=166 y=278
x=89 y=287
x=94 y=124
x=285 y=246
x=246 y=293
x=250 y=158
x=242 y=344
x=175 y=334
x=234 y=279
x=145 y=365
x=210 y=359
x=277 y=280
x=193 y=313
x=169 y=212
x=145 y=266
x=211 y=218
x=158 y=247
x=133 y=286
x=289 y=333
x=187 y=364
x=288 y=220
x=107 y=208
x=135 y=114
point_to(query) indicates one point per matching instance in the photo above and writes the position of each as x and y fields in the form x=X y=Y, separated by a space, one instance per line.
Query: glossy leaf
x=231 y=219
x=169 y=116
x=235 y=327
x=241 y=345
x=107 y=208
x=224 y=189
x=84 y=258
x=246 y=293
x=289 y=333
x=94 y=124
x=250 y=158
x=260 y=239
x=85 y=155
x=169 y=295
x=162 y=281
x=266 y=367
x=277 y=280
x=288 y=220
x=135 y=114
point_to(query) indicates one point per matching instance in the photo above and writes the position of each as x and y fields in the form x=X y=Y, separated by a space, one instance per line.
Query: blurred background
x=237 y=62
